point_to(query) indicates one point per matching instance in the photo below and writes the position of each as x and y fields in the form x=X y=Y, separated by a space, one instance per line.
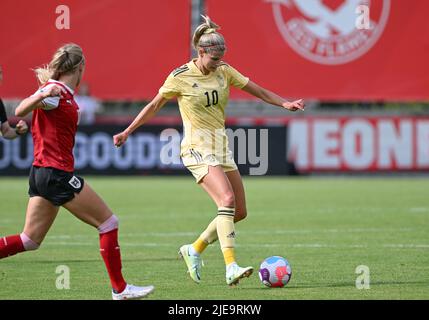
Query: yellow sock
x=226 y=233
x=200 y=245
x=228 y=255
x=210 y=234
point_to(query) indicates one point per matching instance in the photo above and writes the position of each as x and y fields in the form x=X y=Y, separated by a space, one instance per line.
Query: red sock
x=10 y=245
x=109 y=249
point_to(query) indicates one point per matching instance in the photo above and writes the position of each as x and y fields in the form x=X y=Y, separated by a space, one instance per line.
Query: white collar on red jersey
x=68 y=88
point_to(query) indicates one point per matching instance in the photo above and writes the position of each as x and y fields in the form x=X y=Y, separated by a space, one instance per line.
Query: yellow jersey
x=202 y=101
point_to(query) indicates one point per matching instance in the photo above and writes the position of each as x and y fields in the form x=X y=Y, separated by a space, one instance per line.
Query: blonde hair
x=207 y=38
x=65 y=60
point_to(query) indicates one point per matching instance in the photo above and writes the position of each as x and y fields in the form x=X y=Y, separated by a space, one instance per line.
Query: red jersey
x=54 y=128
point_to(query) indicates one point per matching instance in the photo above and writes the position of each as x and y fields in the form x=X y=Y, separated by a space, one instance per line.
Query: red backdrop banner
x=321 y=48
x=331 y=144
x=130 y=46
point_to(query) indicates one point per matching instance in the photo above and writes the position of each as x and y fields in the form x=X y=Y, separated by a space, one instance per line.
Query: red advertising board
x=359 y=143
x=329 y=49
x=130 y=46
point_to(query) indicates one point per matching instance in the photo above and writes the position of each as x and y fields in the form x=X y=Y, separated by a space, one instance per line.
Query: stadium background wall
x=295 y=145
x=152 y=150
x=386 y=72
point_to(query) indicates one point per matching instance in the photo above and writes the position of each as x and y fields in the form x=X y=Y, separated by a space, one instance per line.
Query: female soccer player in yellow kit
x=202 y=89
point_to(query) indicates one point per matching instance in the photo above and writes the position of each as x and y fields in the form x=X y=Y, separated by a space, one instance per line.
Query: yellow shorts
x=198 y=163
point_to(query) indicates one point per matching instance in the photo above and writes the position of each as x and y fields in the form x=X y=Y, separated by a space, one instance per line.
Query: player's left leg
x=90 y=208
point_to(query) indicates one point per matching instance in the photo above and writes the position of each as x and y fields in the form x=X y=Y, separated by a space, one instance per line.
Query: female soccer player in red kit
x=52 y=181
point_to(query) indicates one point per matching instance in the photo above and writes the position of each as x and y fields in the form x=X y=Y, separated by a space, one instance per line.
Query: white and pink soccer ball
x=275 y=271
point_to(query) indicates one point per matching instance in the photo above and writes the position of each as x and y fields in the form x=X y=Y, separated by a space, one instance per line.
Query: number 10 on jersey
x=214 y=98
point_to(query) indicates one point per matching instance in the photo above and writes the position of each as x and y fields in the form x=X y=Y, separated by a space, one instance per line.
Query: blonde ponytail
x=65 y=60
x=206 y=37
x=43 y=74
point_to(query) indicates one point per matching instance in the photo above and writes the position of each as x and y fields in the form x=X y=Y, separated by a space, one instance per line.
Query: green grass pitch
x=325 y=227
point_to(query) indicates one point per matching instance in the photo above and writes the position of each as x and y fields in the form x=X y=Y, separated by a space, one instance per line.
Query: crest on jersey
x=220 y=80
x=325 y=32
x=75 y=182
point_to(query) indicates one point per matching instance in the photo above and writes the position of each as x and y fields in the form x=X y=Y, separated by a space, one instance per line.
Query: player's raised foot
x=132 y=292
x=193 y=262
x=234 y=273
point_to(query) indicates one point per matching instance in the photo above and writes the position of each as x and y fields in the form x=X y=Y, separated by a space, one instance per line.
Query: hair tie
x=210 y=30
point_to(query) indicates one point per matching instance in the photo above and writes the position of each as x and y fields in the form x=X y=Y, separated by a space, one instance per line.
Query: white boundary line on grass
x=419 y=209
x=254 y=245
x=246 y=232
x=60 y=240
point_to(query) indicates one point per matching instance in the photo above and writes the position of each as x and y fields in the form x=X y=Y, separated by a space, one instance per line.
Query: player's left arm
x=272 y=98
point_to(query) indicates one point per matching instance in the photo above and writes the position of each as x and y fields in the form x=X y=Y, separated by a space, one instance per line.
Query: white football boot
x=133 y=292
x=234 y=273
x=193 y=262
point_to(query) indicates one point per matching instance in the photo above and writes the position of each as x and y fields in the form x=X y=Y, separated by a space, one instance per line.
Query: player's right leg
x=191 y=252
x=90 y=208
x=219 y=188
x=209 y=235
x=236 y=182
x=40 y=215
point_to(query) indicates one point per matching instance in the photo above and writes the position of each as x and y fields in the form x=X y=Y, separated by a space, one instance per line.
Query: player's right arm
x=171 y=88
x=144 y=116
x=35 y=101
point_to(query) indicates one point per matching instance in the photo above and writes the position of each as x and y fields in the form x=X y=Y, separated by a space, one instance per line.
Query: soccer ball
x=275 y=271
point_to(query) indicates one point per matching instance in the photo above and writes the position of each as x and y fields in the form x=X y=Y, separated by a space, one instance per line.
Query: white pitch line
x=419 y=210
x=127 y=235
x=312 y=231
x=406 y=245
x=122 y=244
x=321 y=245
x=253 y=245
x=245 y=232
